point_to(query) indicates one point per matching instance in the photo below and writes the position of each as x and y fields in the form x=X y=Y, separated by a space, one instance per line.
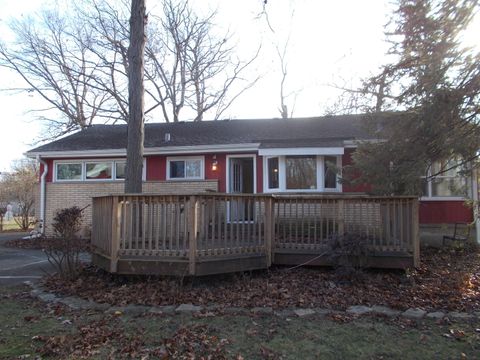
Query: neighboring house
x=233 y=156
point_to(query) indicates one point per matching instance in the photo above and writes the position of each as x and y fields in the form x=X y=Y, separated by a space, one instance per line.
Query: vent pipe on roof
x=167 y=137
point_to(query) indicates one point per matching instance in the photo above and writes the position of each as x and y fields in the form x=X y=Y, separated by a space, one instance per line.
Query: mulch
x=448 y=279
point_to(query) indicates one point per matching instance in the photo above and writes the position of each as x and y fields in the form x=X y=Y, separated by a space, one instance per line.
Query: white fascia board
x=169 y=150
x=302 y=151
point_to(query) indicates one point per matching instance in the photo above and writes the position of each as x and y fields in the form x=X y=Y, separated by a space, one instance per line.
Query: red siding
x=49 y=177
x=347 y=160
x=220 y=174
x=156 y=168
x=440 y=212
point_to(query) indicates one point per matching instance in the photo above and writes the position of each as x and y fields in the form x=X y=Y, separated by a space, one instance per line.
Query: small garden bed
x=447 y=279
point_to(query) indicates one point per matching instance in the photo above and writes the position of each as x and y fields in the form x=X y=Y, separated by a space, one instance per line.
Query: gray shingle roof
x=306 y=132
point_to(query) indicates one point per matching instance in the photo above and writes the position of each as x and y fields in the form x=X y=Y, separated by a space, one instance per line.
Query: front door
x=241 y=181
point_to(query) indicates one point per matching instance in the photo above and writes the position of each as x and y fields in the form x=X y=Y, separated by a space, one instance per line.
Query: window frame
x=282 y=175
x=186 y=158
x=84 y=163
x=430 y=197
x=68 y=162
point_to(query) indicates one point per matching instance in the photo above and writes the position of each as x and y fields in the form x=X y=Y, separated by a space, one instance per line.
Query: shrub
x=349 y=254
x=64 y=248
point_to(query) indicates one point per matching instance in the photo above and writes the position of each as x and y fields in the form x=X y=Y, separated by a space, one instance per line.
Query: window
x=120 y=170
x=91 y=170
x=273 y=170
x=330 y=176
x=301 y=172
x=98 y=171
x=191 y=168
x=308 y=173
x=69 y=172
x=450 y=182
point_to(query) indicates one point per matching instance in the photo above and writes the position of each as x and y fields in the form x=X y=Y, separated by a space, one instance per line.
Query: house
x=229 y=156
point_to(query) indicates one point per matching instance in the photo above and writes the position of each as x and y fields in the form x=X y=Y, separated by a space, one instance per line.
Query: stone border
x=75 y=303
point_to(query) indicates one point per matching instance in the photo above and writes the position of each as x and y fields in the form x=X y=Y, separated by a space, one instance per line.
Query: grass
x=11 y=226
x=24 y=321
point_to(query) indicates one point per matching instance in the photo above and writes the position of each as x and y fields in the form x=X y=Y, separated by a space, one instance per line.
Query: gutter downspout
x=42 y=194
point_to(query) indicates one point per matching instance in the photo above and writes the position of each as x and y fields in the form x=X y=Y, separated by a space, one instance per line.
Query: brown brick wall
x=62 y=195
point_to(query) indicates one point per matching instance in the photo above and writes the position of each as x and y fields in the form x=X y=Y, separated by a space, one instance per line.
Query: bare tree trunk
x=136 y=91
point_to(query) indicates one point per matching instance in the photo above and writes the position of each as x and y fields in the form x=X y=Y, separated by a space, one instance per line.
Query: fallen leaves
x=446 y=280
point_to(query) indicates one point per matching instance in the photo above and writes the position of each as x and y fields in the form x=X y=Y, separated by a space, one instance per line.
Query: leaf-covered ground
x=32 y=329
x=447 y=279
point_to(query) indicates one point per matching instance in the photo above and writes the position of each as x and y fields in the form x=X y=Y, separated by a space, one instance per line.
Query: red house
x=232 y=156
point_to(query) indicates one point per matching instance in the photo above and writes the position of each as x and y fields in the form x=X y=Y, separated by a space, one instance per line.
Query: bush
x=64 y=248
x=349 y=253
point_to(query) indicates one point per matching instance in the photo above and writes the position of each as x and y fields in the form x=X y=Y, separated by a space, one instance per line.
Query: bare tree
x=136 y=90
x=19 y=186
x=51 y=57
x=189 y=68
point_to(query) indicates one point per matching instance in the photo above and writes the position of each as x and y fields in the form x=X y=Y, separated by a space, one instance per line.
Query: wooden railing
x=190 y=227
x=309 y=222
x=196 y=228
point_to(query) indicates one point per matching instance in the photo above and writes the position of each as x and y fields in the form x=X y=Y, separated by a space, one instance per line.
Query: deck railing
x=203 y=227
x=309 y=222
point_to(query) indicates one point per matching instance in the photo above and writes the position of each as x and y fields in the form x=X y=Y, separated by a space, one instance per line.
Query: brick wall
x=62 y=195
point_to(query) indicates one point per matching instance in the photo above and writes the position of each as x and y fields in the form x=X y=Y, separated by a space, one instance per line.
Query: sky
x=330 y=42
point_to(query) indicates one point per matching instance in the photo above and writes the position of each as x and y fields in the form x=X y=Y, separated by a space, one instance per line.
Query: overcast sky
x=331 y=42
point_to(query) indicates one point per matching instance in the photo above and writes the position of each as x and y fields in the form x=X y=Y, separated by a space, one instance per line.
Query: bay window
x=272 y=168
x=302 y=173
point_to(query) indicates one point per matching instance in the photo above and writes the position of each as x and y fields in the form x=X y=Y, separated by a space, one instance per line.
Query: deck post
x=115 y=223
x=341 y=217
x=269 y=231
x=192 y=234
x=415 y=234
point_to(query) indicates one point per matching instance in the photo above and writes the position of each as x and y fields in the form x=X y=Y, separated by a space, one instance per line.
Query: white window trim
x=186 y=158
x=84 y=162
x=227 y=178
x=72 y=162
x=282 y=178
x=446 y=198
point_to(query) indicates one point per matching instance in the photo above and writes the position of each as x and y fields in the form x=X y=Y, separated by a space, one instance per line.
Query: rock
x=262 y=310
x=284 y=313
x=136 y=309
x=460 y=316
x=212 y=308
x=385 y=310
x=168 y=309
x=304 y=312
x=322 y=312
x=76 y=303
x=46 y=297
x=359 y=310
x=156 y=311
x=116 y=310
x=437 y=315
x=188 y=308
x=414 y=314
x=34 y=293
x=99 y=307
x=235 y=311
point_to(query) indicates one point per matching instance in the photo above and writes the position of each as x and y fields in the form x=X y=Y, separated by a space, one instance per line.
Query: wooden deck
x=220 y=233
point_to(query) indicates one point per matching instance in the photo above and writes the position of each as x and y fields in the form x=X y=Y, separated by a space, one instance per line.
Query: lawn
x=11 y=226
x=28 y=327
